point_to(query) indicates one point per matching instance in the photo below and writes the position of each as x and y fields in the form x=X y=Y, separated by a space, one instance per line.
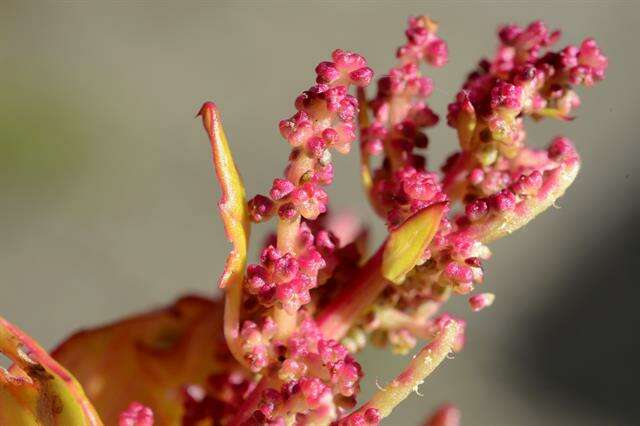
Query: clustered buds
x=136 y=415
x=311 y=302
x=523 y=78
x=317 y=378
x=325 y=120
x=281 y=350
x=402 y=186
x=495 y=176
x=500 y=182
x=285 y=278
x=422 y=43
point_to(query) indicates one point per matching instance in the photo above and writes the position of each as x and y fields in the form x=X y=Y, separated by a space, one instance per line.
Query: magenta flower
x=281 y=348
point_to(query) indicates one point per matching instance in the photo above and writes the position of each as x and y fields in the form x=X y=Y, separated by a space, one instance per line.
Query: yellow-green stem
x=423 y=364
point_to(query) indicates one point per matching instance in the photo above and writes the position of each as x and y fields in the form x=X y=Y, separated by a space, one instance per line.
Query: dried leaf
x=36 y=390
x=148 y=358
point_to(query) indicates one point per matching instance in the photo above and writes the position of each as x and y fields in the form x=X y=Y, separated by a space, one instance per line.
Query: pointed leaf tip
x=209 y=114
x=408 y=242
x=232 y=205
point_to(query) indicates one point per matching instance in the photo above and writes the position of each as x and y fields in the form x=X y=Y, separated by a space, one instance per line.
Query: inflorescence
x=294 y=320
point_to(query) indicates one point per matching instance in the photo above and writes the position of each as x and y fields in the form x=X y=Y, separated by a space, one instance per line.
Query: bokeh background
x=108 y=201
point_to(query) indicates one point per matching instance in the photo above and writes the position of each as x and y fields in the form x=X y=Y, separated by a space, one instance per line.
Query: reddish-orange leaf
x=148 y=358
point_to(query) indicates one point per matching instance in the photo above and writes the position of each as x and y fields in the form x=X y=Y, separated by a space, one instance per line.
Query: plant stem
x=232 y=306
x=251 y=401
x=423 y=364
x=287 y=233
x=336 y=319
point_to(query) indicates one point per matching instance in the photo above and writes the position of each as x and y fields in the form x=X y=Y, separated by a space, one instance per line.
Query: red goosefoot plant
x=280 y=349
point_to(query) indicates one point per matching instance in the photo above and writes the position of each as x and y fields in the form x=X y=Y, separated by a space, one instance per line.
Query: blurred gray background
x=108 y=200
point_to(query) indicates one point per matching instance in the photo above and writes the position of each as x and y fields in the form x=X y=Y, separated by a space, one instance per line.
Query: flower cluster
x=523 y=79
x=325 y=120
x=500 y=182
x=315 y=377
x=282 y=348
x=136 y=415
x=402 y=186
x=287 y=278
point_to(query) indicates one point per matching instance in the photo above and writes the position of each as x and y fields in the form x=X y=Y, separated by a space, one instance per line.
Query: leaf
x=235 y=217
x=232 y=205
x=148 y=358
x=407 y=242
x=36 y=390
x=553 y=113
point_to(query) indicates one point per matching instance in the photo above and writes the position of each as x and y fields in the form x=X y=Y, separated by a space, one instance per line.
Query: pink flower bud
x=372 y=416
x=327 y=73
x=361 y=77
x=528 y=184
x=287 y=211
x=592 y=64
x=257 y=278
x=476 y=209
x=286 y=267
x=260 y=208
x=476 y=176
x=281 y=188
x=505 y=95
x=317 y=146
x=458 y=273
x=269 y=256
x=296 y=129
x=560 y=148
x=136 y=414
x=314 y=391
x=509 y=33
x=481 y=301
x=503 y=201
x=345 y=60
x=437 y=53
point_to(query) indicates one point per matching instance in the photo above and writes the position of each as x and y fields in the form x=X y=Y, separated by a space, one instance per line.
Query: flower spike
x=282 y=350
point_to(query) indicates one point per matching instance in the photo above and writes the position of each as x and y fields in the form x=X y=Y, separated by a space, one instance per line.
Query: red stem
x=336 y=319
x=250 y=403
